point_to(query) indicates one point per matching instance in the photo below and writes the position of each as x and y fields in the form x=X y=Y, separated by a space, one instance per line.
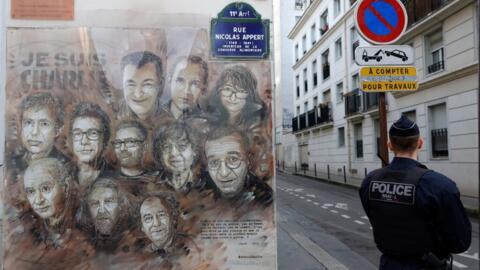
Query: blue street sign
x=240 y=33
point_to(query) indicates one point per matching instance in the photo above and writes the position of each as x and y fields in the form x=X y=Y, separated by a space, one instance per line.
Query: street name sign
x=239 y=33
x=388 y=79
x=386 y=55
x=381 y=21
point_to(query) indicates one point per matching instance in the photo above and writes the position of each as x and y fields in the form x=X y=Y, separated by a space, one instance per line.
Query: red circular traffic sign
x=381 y=21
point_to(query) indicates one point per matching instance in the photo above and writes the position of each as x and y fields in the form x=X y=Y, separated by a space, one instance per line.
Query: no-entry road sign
x=381 y=21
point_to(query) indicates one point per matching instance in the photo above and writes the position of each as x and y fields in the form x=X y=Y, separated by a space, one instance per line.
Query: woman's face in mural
x=44 y=192
x=141 y=88
x=87 y=137
x=38 y=130
x=233 y=98
x=177 y=154
x=156 y=222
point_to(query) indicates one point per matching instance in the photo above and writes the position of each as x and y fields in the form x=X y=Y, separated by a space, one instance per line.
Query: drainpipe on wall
x=347 y=85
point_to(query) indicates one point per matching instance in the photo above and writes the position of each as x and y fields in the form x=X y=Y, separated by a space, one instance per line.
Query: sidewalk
x=470 y=203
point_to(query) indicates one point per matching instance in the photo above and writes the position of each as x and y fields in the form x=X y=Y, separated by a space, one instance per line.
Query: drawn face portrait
x=177 y=154
x=227 y=166
x=129 y=147
x=156 y=222
x=140 y=88
x=187 y=85
x=103 y=208
x=87 y=137
x=38 y=130
x=44 y=192
x=233 y=98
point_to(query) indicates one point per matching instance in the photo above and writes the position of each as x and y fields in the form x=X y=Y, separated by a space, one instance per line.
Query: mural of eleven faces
x=174 y=145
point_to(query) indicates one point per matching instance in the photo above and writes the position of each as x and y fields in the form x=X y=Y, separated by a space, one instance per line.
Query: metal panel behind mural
x=131 y=149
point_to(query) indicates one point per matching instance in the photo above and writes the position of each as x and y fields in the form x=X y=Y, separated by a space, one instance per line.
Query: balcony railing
x=303 y=121
x=419 y=9
x=436 y=67
x=312 y=119
x=440 y=142
x=324 y=113
x=353 y=102
x=320 y=115
x=294 y=124
x=370 y=101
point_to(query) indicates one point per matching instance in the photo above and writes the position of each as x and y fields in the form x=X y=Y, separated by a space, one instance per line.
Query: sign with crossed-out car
x=388 y=55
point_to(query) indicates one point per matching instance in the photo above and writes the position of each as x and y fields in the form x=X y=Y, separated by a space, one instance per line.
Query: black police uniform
x=414 y=211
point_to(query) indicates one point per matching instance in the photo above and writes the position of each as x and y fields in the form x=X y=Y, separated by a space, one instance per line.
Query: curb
x=471 y=212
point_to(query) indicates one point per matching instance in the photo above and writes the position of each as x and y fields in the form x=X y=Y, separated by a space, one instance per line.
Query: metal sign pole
x=383 y=151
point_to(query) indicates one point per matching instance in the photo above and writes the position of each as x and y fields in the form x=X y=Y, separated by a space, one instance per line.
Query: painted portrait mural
x=135 y=149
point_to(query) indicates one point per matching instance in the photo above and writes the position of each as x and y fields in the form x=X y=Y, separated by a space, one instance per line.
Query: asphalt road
x=323 y=226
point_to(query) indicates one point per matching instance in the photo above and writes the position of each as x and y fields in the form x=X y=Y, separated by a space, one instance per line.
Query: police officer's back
x=416 y=214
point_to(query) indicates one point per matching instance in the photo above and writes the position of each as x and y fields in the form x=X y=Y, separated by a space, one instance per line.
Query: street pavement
x=323 y=226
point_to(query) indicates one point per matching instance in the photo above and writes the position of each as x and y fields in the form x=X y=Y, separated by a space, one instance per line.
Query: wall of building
x=456 y=86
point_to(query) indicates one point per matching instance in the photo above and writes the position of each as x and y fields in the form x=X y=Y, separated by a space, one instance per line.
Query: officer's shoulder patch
x=392 y=192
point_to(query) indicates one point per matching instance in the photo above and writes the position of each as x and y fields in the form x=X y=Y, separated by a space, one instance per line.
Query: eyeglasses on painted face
x=92 y=134
x=232 y=162
x=228 y=91
x=129 y=143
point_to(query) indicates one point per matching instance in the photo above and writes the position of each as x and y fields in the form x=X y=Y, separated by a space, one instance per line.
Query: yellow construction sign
x=388 y=71
x=388 y=86
x=388 y=79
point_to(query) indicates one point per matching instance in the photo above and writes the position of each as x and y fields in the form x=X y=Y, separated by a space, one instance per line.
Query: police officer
x=416 y=214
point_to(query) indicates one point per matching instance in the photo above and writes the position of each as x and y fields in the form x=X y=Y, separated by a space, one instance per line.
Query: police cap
x=404 y=127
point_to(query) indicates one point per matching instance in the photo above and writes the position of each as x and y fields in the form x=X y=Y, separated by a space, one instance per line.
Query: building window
x=338 y=49
x=438 y=130
x=327 y=97
x=341 y=137
x=412 y=115
x=435 y=56
x=352 y=2
x=357 y=134
x=296 y=52
x=339 y=92
x=305 y=81
x=315 y=102
x=336 y=8
x=325 y=65
x=354 y=40
x=324 y=22
x=314 y=73
x=355 y=81
x=298 y=4
x=305 y=107
x=298 y=110
x=304 y=44
x=297 y=84
x=313 y=33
